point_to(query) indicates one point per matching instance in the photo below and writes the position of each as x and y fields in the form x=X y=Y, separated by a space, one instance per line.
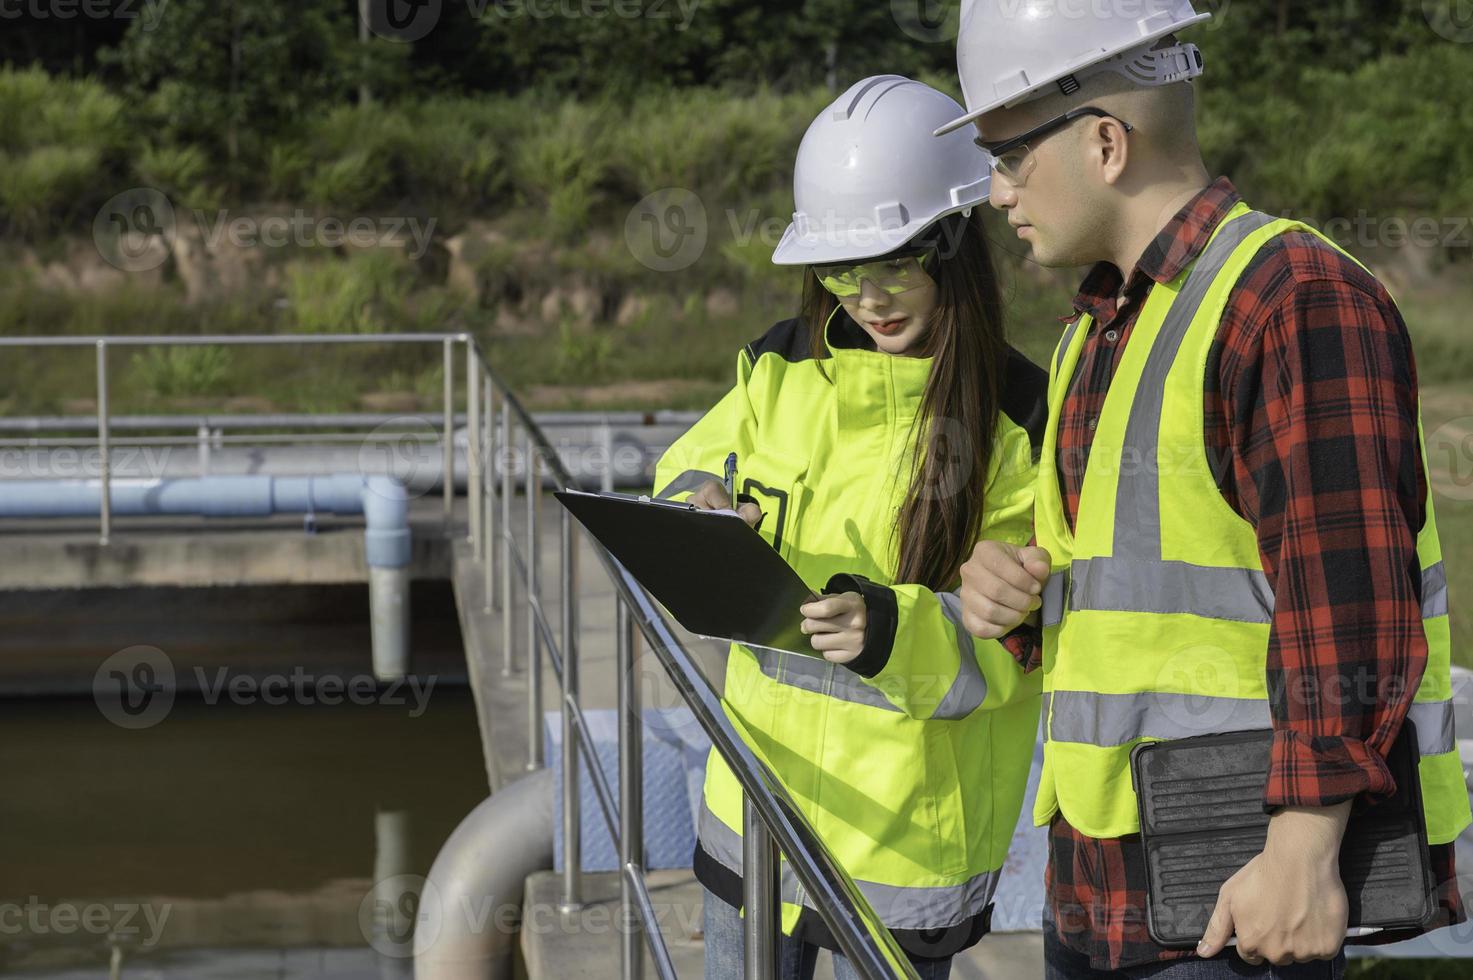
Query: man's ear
x=1111 y=146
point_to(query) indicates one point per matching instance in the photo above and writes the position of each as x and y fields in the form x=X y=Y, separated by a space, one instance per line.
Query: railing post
x=507 y=612
x=447 y=454
x=534 y=599
x=631 y=790
x=606 y=440
x=760 y=895
x=488 y=501
x=104 y=490
x=203 y=435
x=572 y=815
x=473 y=447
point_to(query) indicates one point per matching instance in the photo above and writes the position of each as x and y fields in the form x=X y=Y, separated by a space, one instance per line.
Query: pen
x=730 y=479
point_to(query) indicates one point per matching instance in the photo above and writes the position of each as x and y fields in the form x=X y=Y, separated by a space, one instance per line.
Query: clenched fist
x=1001 y=586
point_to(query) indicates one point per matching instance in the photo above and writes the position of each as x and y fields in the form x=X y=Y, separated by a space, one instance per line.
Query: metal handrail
x=326 y=420
x=772 y=820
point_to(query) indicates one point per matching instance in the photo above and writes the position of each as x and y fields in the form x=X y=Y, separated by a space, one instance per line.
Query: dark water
x=233 y=838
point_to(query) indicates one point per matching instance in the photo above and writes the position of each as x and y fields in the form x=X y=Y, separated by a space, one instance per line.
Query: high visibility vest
x=913 y=778
x=1156 y=617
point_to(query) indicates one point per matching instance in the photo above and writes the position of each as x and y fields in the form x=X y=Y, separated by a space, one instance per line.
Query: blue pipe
x=382 y=500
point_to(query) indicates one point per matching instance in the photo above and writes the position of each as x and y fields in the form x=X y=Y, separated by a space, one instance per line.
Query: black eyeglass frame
x=1008 y=145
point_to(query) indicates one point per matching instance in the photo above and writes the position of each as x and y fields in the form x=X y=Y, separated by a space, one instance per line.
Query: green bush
x=60 y=140
x=366 y=293
x=561 y=165
x=182 y=371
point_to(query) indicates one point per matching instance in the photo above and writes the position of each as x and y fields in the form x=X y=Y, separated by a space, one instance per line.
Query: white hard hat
x=870 y=177
x=1012 y=51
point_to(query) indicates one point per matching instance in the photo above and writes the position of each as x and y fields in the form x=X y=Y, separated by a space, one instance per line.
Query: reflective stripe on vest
x=922 y=907
x=1240 y=594
x=1108 y=720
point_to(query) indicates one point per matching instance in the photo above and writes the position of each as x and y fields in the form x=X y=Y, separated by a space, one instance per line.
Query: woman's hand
x=711 y=495
x=836 y=623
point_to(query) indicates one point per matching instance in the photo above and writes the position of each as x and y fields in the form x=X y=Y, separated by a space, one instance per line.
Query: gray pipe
x=479 y=878
x=382 y=500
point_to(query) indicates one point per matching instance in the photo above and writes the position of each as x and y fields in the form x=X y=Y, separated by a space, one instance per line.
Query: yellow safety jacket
x=913 y=777
x=1156 y=618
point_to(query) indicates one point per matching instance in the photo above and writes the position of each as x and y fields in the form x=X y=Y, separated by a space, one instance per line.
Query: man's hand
x=711 y=495
x=1287 y=905
x=836 y=623
x=1001 y=585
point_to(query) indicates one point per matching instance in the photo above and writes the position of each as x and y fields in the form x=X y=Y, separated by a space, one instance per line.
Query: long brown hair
x=942 y=513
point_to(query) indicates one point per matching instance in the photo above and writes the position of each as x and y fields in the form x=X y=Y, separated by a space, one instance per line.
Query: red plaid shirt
x=1311 y=417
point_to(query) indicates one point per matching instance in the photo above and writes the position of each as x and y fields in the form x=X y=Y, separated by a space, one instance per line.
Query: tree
x=215 y=73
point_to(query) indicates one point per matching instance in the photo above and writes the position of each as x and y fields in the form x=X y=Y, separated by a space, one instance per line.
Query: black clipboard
x=1202 y=818
x=718 y=577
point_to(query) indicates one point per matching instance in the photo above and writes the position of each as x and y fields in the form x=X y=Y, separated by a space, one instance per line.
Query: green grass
x=1371 y=968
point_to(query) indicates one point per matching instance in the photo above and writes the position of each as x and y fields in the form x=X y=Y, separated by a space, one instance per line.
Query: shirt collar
x=1171 y=251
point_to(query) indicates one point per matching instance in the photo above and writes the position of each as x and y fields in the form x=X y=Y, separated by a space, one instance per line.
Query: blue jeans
x=796 y=959
x=1062 y=963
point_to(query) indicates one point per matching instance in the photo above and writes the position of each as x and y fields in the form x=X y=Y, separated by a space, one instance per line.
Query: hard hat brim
x=1023 y=96
x=795 y=249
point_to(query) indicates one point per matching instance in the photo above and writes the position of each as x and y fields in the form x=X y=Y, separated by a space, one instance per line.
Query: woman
x=878 y=436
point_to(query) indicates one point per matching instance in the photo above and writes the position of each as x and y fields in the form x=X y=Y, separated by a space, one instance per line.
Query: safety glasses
x=894 y=275
x=1013 y=158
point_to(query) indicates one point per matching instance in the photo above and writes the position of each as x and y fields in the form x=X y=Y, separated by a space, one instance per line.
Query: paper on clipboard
x=715 y=575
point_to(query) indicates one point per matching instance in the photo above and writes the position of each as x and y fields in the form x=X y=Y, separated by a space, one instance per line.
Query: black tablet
x=1202 y=818
x=717 y=576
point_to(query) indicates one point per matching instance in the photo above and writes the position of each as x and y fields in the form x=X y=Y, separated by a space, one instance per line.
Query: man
x=1252 y=534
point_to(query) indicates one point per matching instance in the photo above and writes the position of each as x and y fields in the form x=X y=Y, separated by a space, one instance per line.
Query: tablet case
x=717 y=576
x=1202 y=818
